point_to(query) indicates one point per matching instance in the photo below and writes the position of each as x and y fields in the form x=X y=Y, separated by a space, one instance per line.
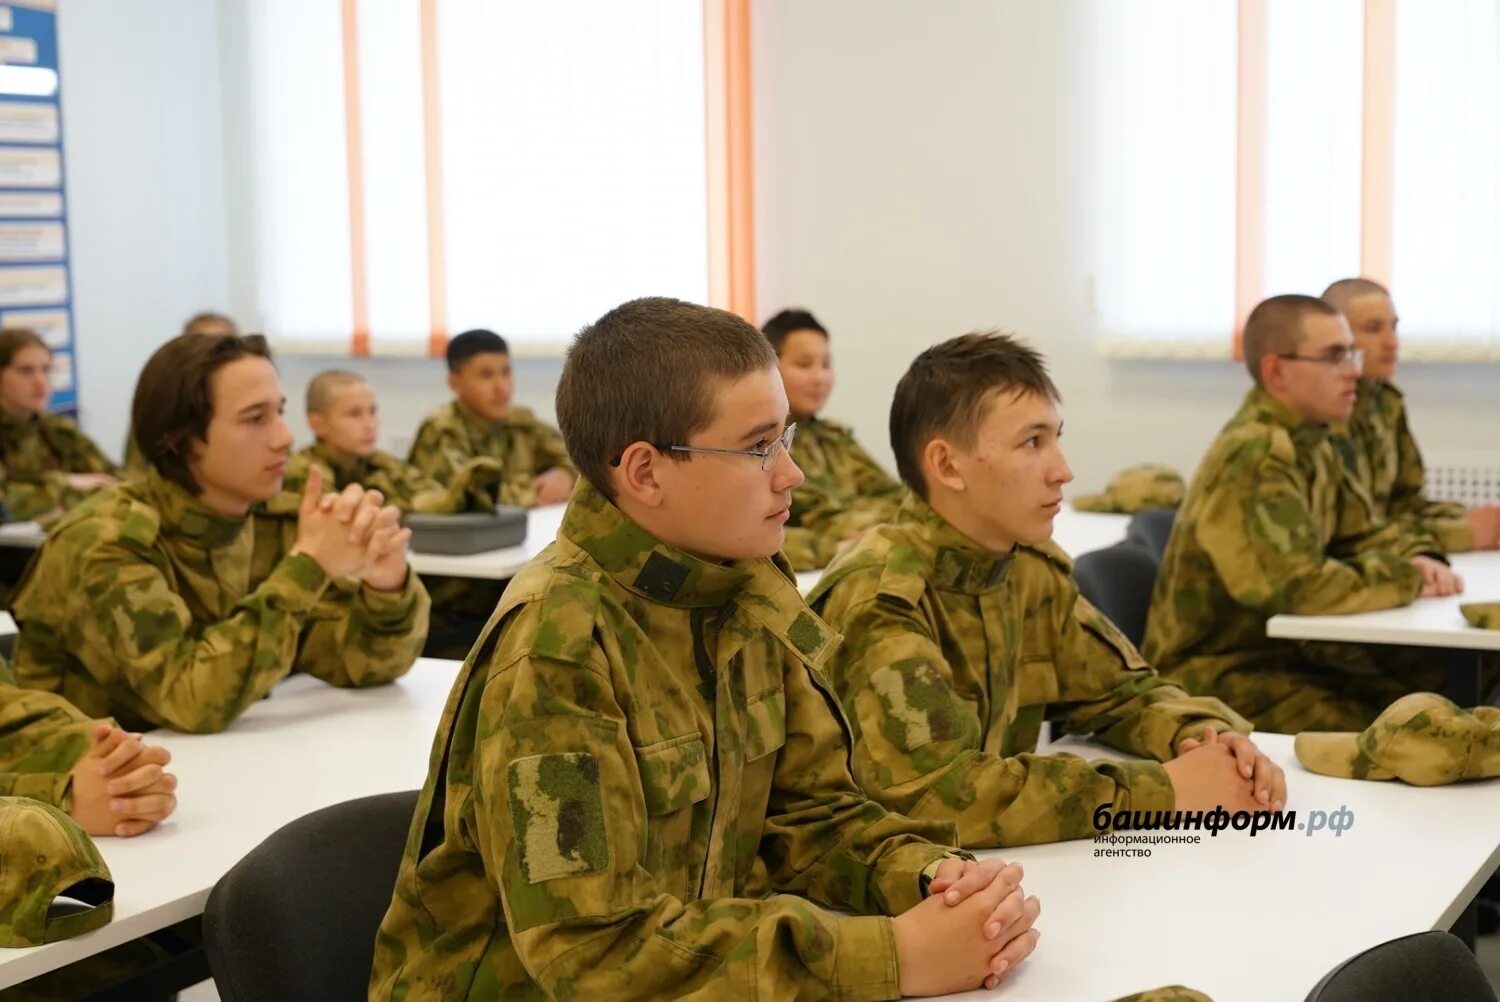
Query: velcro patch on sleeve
x=557 y=810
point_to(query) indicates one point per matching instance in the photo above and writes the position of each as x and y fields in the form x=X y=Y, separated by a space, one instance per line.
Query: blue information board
x=35 y=284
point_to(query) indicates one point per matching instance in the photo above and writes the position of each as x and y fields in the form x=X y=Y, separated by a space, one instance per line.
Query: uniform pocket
x=674 y=774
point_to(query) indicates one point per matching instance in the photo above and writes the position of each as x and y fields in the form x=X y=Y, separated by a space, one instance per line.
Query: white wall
x=142 y=127
x=923 y=170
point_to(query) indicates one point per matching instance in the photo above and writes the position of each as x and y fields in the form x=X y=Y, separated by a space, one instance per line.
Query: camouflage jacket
x=42 y=737
x=1269 y=525
x=953 y=659
x=452 y=436
x=472 y=488
x=1381 y=455
x=845 y=491
x=640 y=790
x=146 y=605
x=135 y=460
x=37 y=456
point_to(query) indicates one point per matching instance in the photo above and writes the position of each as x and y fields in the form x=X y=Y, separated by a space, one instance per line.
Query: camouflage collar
x=12 y=426
x=641 y=563
x=186 y=517
x=958 y=563
x=1260 y=405
x=351 y=471
x=479 y=425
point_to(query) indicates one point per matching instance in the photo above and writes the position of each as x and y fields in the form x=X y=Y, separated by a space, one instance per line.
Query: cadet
x=1269 y=525
x=206 y=322
x=845 y=491
x=1377 y=444
x=965 y=631
x=639 y=787
x=171 y=601
x=109 y=781
x=482 y=422
x=49 y=464
x=342 y=412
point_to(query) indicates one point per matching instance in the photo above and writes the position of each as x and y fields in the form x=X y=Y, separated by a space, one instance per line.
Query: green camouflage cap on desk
x=1423 y=739
x=1174 y=993
x=44 y=857
x=1135 y=489
x=1482 y=614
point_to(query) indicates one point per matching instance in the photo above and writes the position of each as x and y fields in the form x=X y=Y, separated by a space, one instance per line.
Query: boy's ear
x=939 y=465
x=318 y=423
x=636 y=475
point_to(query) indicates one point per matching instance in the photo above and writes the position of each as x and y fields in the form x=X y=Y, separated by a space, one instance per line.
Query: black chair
x=1425 y=967
x=296 y=918
x=1118 y=581
x=1151 y=529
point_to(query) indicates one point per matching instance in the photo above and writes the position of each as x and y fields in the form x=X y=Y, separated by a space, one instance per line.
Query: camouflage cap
x=1482 y=614
x=1423 y=739
x=47 y=864
x=1136 y=488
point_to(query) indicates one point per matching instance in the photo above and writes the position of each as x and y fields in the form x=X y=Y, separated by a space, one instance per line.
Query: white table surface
x=1427 y=622
x=24 y=535
x=7 y=624
x=308 y=746
x=1256 y=919
x=1238 y=917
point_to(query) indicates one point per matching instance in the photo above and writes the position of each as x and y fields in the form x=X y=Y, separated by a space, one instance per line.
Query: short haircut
x=475 y=342
x=787 y=322
x=1275 y=327
x=949 y=389
x=649 y=371
x=174 y=397
x=13 y=339
x=322 y=387
x=211 y=320
x=1343 y=292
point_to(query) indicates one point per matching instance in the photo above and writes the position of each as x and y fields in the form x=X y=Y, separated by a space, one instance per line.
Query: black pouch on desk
x=469 y=532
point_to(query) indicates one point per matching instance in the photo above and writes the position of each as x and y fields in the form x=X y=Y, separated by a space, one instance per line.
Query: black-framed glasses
x=767 y=456
x=1338 y=357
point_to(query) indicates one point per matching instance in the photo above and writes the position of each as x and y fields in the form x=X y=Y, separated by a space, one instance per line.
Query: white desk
x=308 y=746
x=1253 y=919
x=7 y=625
x=1427 y=622
x=22 y=535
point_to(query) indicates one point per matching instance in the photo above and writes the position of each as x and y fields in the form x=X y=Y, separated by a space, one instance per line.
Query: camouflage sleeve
x=1105 y=688
x=362 y=637
x=475 y=488
x=135 y=460
x=42 y=736
x=27 y=499
x=1444 y=519
x=870 y=478
x=134 y=630
x=437 y=452
x=550 y=450
x=1267 y=549
x=806 y=549
x=560 y=820
x=918 y=744
x=83 y=456
x=824 y=838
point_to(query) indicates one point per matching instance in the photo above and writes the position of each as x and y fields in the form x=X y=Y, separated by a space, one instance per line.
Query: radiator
x=1469 y=484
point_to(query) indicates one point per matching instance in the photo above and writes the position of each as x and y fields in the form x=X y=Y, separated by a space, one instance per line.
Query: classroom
x=848 y=499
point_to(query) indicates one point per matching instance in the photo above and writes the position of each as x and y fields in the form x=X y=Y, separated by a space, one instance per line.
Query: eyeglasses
x=1339 y=357
x=767 y=456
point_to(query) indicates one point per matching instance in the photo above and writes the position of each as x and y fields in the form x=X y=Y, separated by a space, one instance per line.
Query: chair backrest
x=296 y=918
x=1151 y=529
x=1118 y=581
x=1425 y=967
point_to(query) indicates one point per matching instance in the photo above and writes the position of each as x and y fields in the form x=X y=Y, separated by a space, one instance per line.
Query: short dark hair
x=478 y=341
x=322 y=387
x=1274 y=327
x=211 y=319
x=787 y=322
x=13 y=339
x=648 y=371
x=1341 y=293
x=949 y=389
x=174 y=397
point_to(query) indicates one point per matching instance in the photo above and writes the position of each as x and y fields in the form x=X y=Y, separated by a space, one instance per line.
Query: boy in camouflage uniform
x=109 y=781
x=205 y=322
x=1271 y=524
x=845 y=491
x=1376 y=443
x=480 y=421
x=965 y=631
x=639 y=788
x=342 y=412
x=173 y=600
x=48 y=464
